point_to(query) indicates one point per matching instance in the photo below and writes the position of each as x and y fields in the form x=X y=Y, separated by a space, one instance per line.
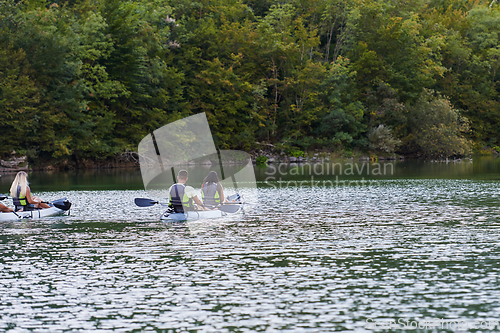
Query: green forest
x=88 y=79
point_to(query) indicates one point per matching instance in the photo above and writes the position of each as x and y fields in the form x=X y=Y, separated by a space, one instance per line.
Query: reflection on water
x=313 y=259
x=486 y=168
x=479 y=168
x=111 y=179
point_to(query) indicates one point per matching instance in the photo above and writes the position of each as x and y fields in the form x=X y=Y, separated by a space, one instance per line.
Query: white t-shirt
x=188 y=190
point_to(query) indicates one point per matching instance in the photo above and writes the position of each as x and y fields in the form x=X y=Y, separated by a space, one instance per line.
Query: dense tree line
x=87 y=79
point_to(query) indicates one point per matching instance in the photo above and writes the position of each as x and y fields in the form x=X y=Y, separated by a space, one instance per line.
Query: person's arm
x=169 y=198
x=30 y=199
x=37 y=202
x=221 y=193
x=189 y=191
x=197 y=200
x=199 y=203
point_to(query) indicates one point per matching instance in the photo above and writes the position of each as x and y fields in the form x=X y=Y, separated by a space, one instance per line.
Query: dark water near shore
x=419 y=245
x=486 y=168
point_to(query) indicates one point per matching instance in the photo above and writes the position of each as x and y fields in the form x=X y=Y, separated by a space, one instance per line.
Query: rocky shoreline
x=268 y=154
x=14 y=164
x=319 y=159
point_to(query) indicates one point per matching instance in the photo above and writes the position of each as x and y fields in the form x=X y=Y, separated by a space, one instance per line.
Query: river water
x=415 y=247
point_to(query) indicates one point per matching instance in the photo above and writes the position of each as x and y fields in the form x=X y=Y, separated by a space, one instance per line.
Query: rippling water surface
x=312 y=259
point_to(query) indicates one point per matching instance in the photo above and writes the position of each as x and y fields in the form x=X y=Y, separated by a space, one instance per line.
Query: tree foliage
x=437 y=129
x=88 y=79
x=381 y=139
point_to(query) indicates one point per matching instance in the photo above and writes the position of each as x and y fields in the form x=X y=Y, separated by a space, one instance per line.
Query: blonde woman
x=21 y=193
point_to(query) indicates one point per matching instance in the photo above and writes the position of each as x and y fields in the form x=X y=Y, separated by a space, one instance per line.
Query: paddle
x=144 y=202
x=63 y=204
x=236 y=197
x=229 y=208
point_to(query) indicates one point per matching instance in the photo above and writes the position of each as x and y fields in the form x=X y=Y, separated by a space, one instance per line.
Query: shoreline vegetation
x=267 y=155
x=82 y=82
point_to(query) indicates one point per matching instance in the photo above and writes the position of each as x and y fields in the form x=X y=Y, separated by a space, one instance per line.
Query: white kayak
x=168 y=216
x=59 y=207
x=233 y=206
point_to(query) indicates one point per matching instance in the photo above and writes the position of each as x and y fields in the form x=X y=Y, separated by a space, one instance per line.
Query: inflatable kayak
x=169 y=216
x=233 y=206
x=59 y=207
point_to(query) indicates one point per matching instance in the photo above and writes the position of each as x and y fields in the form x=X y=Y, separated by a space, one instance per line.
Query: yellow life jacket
x=210 y=194
x=18 y=200
x=179 y=200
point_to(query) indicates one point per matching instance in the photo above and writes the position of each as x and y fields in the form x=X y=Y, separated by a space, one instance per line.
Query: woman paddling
x=21 y=193
x=212 y=192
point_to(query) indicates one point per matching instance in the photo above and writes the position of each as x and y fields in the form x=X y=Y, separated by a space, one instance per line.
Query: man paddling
x=182 y=195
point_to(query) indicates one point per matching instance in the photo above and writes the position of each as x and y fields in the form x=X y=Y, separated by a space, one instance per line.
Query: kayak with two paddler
x=171 y=216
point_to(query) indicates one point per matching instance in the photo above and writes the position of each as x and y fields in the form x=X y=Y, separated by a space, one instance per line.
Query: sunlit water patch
x=313 y=259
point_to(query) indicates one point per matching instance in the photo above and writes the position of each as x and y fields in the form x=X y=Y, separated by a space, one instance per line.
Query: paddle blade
x=63 y=204
x=229 y=208
x=144 y=202
x=234 y=198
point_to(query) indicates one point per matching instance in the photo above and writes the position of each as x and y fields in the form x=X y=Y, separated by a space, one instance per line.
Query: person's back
x=19 y=199
x=179 y=200
x=18 y=191
x=210 y=194
x=211 y=190
x=182 y=196
x=21 y=194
